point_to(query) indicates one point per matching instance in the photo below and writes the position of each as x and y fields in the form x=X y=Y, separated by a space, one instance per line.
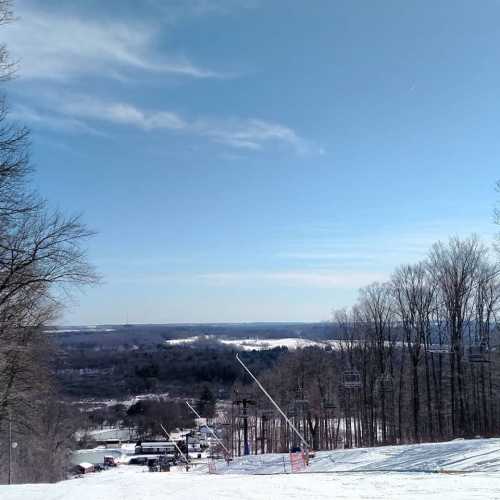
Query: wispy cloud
x=119 y=113
x=323 y=256
x=188 y=8
x=250 y=134
x=320 y=279
x=56 y=122
x=55 y=46
x=376 y=247
x=59 y=49
x=247 y=134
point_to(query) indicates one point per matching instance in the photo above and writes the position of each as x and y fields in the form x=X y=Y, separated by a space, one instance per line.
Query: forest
x=419 y=361
x=177 y=370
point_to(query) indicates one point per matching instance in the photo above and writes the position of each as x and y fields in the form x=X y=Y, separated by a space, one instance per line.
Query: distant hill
x=113 y=336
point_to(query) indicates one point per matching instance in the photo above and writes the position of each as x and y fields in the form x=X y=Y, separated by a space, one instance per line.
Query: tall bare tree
x=414 y=296
x=455 y=269
x=42 y=258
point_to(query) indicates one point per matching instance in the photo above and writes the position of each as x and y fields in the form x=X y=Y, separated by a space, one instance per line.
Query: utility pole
x=10 y=449
x=12 y=446
x=246 y=447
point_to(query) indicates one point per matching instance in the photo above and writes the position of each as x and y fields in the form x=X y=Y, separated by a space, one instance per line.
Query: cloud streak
x=378 y=247
x=244 y=134
x=197 y=8
x=320 y=279
x=61 y=49
x=52 y=46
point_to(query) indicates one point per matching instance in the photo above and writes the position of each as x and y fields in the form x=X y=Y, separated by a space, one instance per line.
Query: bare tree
x=414 y=296
x=455 y=269
x=496 y=215
x=42 y=258
x=376 y=309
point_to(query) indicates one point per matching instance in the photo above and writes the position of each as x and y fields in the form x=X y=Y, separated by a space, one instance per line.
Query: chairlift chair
x=385 y=383
x=291 y=410
x=485 y=345
x=351 y=379
x=439 y=349
x=477 y=354
x=329 y=405
x=300 y=407
x=301 y=403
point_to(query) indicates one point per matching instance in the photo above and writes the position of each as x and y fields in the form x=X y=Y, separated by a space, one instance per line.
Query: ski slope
x=405 y=472
x=475 y=455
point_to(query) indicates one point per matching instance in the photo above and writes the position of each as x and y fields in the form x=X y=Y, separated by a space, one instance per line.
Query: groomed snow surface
x=455 y=470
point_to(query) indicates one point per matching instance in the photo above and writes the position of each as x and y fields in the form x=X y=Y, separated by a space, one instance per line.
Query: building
x=85 y=468
x=155 y=447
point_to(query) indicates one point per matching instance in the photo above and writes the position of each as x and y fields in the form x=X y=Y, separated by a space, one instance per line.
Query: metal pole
x=10 y=449
x=246 y=447
x=175 y=444
x=210 y=429
x=261 y=387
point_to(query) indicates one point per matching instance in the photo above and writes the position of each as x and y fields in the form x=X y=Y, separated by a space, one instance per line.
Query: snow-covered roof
x=86 y=465
x=156 y=444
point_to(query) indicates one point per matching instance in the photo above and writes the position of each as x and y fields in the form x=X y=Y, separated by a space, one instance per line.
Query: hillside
x=470 y=469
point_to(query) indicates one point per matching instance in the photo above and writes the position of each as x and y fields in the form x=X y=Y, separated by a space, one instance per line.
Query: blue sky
x=253 y=160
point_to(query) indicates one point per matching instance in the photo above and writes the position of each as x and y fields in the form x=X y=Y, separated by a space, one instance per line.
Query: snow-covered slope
x=454 y=456
x=256 y=344
x=323 y=479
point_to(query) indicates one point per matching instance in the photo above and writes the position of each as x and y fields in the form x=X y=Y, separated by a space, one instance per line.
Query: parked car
x=110 y=461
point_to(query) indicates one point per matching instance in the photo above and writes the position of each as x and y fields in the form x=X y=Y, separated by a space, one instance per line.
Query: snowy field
x=260 y=344
x=256 y=344
x=457 y=470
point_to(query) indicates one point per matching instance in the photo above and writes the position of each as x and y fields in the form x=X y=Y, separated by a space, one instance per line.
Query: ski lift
x=298 y=407
x=385 y=383
x=477 y=353
x=351 y=379
x=291 y=411
x=301 y=406
x=299 y=402
x=439 y=349
x=329 y=405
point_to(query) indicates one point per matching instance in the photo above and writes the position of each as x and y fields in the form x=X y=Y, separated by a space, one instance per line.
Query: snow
x=476 y=455
x=95 y=455
x=187 y=340
x=96 y=404
x=83 y=329
x=128 y=482
x=256 y=344
x=291 y=343
x=265 y=344
x=470 y=469
x=86 y=465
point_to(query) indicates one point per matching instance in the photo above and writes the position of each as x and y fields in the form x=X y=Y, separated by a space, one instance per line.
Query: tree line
x=419 y=361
